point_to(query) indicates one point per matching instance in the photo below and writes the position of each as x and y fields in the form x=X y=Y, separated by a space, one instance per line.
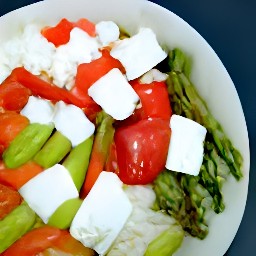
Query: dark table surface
x=229 y=27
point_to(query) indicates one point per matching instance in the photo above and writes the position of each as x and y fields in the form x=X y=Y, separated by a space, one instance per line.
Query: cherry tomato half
x=142 y=150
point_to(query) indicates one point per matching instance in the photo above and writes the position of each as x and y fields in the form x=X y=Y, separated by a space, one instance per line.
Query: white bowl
x=208 y=74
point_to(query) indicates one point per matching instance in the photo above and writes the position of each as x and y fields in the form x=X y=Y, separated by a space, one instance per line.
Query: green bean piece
x=53 y=151
x=65 y=213
x=15 y=225
x=26 y=145
x=78 y=160
x=167 y=243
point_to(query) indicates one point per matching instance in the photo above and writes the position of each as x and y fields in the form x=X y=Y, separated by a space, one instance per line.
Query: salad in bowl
x=121 y=134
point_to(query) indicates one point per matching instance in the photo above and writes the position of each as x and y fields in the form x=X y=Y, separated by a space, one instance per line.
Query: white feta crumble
x=102 y=214
x=139 y=53
x=81 y=48
x=37 y=52
x=38 y=110
x=72 y=123
x=107 y=32
x=186 y=147
x=114 y=94
x=48 y=190
x=153 y=75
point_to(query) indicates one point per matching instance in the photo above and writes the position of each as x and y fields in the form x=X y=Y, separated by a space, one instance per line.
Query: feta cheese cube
x=107 y=32
x=38 y=110
x=102 y=214
x=114 y=94
x=139 y=54
x=72 y=122
x=186 y=148
x=48 y=190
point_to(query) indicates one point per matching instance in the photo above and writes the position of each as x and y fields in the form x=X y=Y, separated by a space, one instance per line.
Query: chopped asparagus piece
x=197 y=194
x=166 y=243
x=26 y=145
x=65 y=213
x=78 y=160
x=15 y=225
x=54 y=150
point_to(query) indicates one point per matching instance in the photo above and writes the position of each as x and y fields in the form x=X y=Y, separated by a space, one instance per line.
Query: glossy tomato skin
x=154 y=102
x=154 y=99
x=142 y=150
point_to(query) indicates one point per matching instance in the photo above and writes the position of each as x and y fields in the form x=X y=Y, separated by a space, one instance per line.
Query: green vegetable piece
x=184 y=199
x=15 y=225
x=78 y=160
x=65 y=213
x=27 y=143
x=54 y=150
x=167 y=242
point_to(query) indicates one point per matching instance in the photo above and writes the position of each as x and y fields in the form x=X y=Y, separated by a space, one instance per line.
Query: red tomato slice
x=154 y=99
x=16 y=178
x=89 y=73
x=40 y=239
x=9 y=199
x=142 y=150
x=60 y=34
x=11 y=124
x=13 y=95
x=87 y=26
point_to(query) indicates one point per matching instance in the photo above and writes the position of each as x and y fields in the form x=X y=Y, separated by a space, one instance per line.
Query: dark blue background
x=229 y=27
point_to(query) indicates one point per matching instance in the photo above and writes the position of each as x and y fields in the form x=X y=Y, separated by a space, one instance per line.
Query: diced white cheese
x=186 y=145
x=139 y=54
x=81 y=48
x=107 y=32
x=37 y=52
x=114 y=94
x=153 y=75
x=48 y=190
x=72 y=122
x=102 y=214
x=38 y=110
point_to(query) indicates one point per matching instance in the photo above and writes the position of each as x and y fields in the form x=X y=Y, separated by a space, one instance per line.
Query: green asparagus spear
x=78 y=160
x=166 y=243
x=184 y=199
x=65 y=213
x=186 y=92
x=54 y=150
x=15 y=225
x=27 y=143
x=220 y=158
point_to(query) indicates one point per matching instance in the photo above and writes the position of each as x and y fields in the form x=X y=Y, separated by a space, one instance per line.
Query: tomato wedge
x=154 y=102
x=11 y=124
x=39 y=87
x=9 y=199
x=154 y=99
x=16 y=178
x=89 y=73
x=60 y=34
x=142 y=150
x=42 y=238
x=13 y=96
